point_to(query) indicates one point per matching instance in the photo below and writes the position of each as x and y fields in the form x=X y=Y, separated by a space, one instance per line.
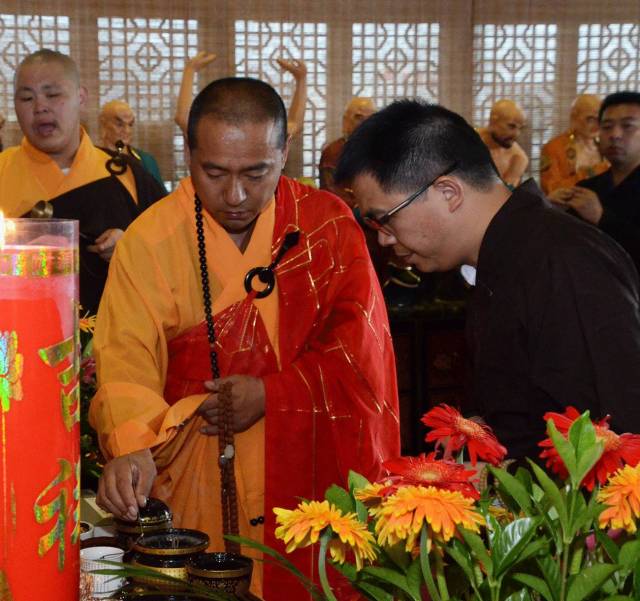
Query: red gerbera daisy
x=454 y=432
x=424 y=470
x=619 y=449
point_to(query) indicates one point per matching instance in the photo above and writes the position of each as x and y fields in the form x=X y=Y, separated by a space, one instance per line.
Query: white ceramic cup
x=103 y=586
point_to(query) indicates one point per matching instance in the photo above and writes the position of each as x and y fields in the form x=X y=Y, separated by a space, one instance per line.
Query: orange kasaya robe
x=558 y=168
x=88 y=193
x=320 y=342
x=28 y=175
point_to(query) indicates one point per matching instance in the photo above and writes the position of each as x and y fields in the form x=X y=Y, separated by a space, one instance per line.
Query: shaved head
x=506 y=109
x=238 y=101
x=51 y=56
x=356 y=111
x=113 y=106
x=584 y=116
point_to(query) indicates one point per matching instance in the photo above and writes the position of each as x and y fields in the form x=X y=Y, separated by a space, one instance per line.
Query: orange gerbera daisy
x=373 y=494
x=619 y=449
x=303 y=526
x=622 y=496
x=426 y=471
x=454 y=432
x=401 y=516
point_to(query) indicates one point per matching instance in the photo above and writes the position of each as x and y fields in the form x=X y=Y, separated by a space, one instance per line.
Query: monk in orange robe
x=311 y=364
x=57 y=163
x=574 y=154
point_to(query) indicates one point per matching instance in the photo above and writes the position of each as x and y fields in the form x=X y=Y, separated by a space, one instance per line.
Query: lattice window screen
x=517 y=61
x=608 y=58
x=141 y=61
x=395 y=60
x=259 y=44
x=20 y=35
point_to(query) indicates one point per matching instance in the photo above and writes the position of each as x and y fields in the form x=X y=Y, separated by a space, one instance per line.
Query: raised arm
x=185 y=96
x=296 y=111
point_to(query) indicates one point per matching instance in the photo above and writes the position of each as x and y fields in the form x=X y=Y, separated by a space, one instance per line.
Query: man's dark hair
x=410 y=142
x=617 y=98
x=238 y=100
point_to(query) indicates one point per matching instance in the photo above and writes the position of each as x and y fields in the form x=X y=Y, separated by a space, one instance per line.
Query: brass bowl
x=167 y=552
x=226 y=572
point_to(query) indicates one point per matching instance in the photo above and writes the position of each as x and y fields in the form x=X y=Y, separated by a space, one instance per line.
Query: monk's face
x=117 y=124
x=235 y=170
x=620 y=135
x=358 y=111
x=48 y=103
x=506 y=126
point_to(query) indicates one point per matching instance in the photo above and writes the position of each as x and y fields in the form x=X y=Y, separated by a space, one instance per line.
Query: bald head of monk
x=48 y=100
x=238 y=145
x=506 y=121
x=584 y=116
x=116 y=123
x=356 y=111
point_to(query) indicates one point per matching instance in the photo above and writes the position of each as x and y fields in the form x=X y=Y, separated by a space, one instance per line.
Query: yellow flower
x=400 y=517
x=87 y=323
x=372 y=494
x=622 y=496
x=303 y=526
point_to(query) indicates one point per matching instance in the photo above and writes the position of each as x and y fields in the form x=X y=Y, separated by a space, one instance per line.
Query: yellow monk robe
x=129 y=410
x=558 y=168
x=28 y=175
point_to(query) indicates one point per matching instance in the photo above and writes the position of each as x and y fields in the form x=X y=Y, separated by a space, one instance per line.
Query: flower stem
x=322 y=565
x=426 y=568
x=442 y=582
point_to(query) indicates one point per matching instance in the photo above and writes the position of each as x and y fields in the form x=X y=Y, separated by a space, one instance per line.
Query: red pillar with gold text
x=39 y=411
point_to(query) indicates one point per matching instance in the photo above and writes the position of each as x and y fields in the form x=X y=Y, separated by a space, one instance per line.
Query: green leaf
x=550 y=570
x=589 y=580
x=392 y=577
x=456 y=550
x=534 y=548
x=552 y=492
x=511 y=542
x=414 y=577
x=398 y=555
x=357 y=481
x=588 y=449
x=521 y=595
x=537 y=584
x=618 y=598
x=476 y=544
x=339 y=497
x=565 y=450
x=629 y=555
x=610 y=548
x=374 y=592
x=514 y=488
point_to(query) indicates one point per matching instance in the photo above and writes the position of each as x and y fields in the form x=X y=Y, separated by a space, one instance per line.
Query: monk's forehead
x=45 y=71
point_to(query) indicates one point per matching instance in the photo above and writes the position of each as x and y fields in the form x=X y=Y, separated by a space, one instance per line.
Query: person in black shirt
x=553 y=319
x=611 y=200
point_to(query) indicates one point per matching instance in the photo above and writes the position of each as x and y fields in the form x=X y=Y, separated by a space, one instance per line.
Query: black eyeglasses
x=378 y=223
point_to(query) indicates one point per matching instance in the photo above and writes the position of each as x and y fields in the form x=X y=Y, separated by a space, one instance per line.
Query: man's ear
x=452 y=190
x=83 y=96
x=285 y=150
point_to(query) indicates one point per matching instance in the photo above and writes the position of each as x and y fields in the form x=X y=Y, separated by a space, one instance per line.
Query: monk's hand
x=297 y=68
x=248 y=397
x=200 y=60
x=560 y=197
x=587 y=204
x=105 y=243
x=126 y=483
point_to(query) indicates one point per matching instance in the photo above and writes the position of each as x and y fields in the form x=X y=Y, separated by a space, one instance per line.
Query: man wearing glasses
x=553 y=319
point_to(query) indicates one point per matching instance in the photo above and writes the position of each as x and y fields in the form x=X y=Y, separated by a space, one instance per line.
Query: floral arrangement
x=426 y=532
x=91 y=459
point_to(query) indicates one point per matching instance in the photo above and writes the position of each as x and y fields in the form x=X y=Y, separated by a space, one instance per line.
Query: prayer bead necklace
x=226 y=447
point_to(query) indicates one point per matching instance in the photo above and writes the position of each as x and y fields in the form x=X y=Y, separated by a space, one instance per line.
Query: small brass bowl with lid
x=154 y=517
x=226 y=572
x=168 y=553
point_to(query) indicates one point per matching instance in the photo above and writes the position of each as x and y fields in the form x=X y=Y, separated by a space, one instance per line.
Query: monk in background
x=574 y=154
x=117 y=121
x=506 y=121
